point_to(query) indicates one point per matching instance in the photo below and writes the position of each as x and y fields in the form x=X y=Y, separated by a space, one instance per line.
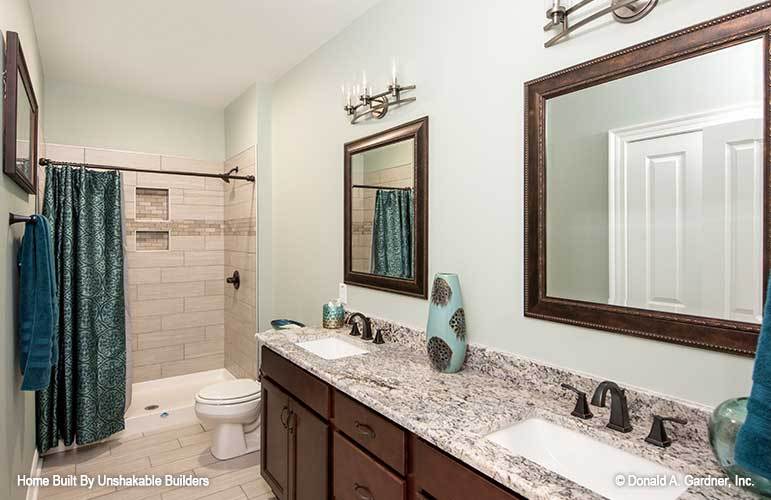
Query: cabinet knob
x=363 y=492
x=364 y=430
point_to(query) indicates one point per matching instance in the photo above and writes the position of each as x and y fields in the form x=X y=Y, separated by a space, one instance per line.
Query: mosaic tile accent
x=178 y=227
x=246 y=226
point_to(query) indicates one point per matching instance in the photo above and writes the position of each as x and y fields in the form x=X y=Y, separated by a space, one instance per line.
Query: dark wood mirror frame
x=16 y=64
x=708 y=333
x=417 y=287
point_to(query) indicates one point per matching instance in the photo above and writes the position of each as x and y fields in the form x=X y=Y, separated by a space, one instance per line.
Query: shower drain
x=151 y=407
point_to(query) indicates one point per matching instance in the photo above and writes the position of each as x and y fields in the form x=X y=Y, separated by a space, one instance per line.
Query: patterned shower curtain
x=392 y=233
x=86 y=397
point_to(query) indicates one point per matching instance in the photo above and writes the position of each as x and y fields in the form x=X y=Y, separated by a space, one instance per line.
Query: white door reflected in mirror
x=656 y=200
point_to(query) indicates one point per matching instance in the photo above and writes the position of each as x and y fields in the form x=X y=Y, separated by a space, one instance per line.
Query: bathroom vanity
x=384 y=425
x=318 y=439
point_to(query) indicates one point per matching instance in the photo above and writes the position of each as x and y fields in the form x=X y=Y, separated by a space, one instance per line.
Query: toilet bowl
x=233 y=411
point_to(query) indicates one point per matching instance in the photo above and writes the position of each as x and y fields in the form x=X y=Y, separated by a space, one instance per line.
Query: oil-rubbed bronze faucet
x=619 y=409
x=367 y=334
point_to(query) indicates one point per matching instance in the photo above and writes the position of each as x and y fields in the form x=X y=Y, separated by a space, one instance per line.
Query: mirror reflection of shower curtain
x=127 y=295
x=392 y=227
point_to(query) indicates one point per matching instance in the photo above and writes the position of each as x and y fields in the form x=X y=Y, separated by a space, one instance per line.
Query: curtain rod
x=224 y=176
x=364 y=186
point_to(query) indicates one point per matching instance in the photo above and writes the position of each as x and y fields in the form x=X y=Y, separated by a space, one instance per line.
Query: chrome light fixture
x=624 y=11
x=360 y=102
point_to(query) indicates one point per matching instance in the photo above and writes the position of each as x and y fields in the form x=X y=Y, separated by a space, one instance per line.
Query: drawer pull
x=284 y=416
x=363 y=492
x=364 y=430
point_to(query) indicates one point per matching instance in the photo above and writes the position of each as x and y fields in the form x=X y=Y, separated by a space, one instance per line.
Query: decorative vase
x=724 y=425
x=332 y=315
x=446 y=330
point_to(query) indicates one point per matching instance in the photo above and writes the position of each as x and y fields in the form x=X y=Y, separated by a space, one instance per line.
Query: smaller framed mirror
x=386 y=210
x=20 y=118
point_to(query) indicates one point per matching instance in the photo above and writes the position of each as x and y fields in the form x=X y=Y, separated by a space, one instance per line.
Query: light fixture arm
x=560 y=16
x=377 y=105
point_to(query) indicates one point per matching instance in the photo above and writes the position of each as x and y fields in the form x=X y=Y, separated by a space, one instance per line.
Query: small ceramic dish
x=285 y=324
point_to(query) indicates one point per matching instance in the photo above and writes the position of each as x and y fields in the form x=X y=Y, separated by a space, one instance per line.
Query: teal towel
x=38 y=306
x=753 y=444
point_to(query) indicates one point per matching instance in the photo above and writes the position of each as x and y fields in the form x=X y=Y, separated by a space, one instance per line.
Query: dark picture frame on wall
x=20 y=118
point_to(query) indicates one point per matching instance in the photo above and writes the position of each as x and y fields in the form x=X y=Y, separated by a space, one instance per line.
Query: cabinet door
x=309 y=449
x=274 y=453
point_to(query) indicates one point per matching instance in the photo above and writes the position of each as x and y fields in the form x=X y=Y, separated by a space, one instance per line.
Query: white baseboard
x=35 y=470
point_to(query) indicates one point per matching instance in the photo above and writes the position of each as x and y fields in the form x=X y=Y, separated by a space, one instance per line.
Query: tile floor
x=178 y=451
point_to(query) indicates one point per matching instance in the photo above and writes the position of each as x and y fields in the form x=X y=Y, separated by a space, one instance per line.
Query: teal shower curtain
x=392 y=229
x=85 y=400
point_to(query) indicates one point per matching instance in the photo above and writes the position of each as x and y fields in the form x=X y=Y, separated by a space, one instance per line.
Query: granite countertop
x=455 y=411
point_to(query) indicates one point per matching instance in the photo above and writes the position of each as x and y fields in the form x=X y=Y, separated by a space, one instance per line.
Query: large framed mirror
x=385 y=210
x=20 y=118
x=647 y=187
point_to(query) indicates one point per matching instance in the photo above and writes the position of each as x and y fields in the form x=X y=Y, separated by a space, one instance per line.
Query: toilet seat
x=230 y=393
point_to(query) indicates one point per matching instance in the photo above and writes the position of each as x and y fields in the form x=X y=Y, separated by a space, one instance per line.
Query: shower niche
x=152 y=206
x=150 y=241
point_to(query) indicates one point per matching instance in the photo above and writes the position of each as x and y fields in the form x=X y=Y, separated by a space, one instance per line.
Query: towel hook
x=15 y=218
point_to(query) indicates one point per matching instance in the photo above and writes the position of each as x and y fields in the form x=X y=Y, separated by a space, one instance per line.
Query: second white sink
x=331 y=348
x=590 y=463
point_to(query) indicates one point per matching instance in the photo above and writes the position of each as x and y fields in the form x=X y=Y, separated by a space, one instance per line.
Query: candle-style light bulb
x=393 y=72
x=364 y=81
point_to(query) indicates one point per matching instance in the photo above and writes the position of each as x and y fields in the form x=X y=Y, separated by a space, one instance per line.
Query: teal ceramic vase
x=446 y=330
x=724 y=425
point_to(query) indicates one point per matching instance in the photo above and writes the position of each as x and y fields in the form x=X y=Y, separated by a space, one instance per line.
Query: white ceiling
x=199 y=51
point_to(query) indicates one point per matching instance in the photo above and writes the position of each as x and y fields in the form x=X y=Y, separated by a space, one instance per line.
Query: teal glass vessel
x=446 y=330
x=724 y=425
x=332 y=315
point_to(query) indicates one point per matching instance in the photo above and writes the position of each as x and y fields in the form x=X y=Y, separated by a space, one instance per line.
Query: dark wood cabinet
x=318 y=443
x=274 y=448
x=309 y=451
x=295 y=444
x=440 y=477
x=358 y=476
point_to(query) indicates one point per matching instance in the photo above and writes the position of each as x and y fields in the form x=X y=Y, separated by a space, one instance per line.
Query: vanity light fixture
x=624 y=11
x=374 y=105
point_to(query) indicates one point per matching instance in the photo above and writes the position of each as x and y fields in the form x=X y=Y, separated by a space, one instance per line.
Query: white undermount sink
x=331 y=348
x=585 y=461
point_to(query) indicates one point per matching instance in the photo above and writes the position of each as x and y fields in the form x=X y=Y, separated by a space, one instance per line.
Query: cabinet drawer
x=375 y=433
x=300 y=384
x=357 y=476
x=441 y=477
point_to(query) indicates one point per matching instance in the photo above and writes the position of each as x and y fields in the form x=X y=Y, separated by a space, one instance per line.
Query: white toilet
x=233 y=408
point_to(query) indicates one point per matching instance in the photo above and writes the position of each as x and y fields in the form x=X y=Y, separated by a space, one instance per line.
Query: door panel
x=663 y=223
x=687 y=221
x=733 y=177
x=309 y=444
x=274 y=453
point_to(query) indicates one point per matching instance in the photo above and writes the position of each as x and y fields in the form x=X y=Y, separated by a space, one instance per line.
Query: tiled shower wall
x=240 y=254
x=176 y=295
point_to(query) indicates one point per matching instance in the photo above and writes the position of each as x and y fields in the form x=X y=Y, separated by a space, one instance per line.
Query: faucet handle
x=658 y=434
x=355 y=330
x=582 y=406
